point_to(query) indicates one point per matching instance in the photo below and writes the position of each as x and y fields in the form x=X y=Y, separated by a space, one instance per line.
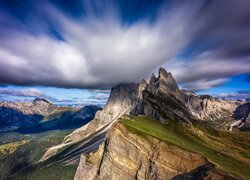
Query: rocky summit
x=154 y=130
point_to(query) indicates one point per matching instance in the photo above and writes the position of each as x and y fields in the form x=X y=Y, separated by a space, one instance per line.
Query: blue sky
x=59 y=96
x=73 y=52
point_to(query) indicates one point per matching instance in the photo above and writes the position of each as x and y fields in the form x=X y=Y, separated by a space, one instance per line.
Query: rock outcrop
x=121 y=101
x=206 y=107
x=126 y=155
x=241 y=116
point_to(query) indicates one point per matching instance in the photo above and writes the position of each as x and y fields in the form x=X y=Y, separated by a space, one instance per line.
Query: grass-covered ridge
x=229 y=151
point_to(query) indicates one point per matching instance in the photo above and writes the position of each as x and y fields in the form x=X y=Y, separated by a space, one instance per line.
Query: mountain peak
x=164 y=83
x=166 y=80
x=162 y=71
x=153 y=79
x=41 y=100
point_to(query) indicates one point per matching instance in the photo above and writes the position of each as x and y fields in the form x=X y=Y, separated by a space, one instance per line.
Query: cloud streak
x=194 y=40
x=242 y=95
x=29 y=92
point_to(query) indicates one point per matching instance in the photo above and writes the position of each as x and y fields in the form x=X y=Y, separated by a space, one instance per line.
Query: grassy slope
x=10 y=148
x=229 y=151
x=27 y=154
x=56 y=114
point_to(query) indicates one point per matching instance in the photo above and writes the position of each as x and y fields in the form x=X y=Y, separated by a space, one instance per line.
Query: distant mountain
x=41 y=100
x=41 y=115
x=242 y=117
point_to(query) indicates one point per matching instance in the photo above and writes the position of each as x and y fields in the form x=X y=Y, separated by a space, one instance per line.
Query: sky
x=73 y=51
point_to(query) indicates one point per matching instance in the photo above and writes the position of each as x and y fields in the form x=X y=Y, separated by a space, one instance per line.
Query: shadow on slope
x=11 y=119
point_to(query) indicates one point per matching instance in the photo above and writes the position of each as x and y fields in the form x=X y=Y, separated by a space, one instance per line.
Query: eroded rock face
x=241 y=116
x=128 y=156
x=210 y=108
x=121 y=101
x=163 y=84
x=217 y=112
x=160 y=98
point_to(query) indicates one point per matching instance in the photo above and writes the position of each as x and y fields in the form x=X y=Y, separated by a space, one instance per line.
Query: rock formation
x=128 y=156
x=241 y=116
x=121 y=101
x=124 y=153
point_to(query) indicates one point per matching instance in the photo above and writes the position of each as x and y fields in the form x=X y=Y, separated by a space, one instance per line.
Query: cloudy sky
x=73 y=51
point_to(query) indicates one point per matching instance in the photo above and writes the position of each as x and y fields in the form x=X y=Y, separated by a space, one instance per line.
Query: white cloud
x=101 y=51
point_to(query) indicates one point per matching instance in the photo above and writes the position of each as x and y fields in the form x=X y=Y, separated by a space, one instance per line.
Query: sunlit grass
x=10 y=148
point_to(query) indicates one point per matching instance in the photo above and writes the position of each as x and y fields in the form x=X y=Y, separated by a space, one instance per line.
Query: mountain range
x=149 y=130
x=41 y=115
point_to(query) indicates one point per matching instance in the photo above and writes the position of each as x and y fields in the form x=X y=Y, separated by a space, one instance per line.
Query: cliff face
x=214 y=111
x=161 y=98
x=242 y=117
x=121 y=101
x=206 y=107
x=127 y=155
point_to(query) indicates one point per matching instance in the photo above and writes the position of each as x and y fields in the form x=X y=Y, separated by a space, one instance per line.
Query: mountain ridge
x=127 y=99
x=159 y=99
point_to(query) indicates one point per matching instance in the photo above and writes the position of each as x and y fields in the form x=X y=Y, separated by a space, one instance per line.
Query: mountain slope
x=142 y=148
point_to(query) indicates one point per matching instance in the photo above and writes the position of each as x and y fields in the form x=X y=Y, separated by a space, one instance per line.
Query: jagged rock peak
x=166 y=79
x=143 y=82
x=41 y=100
x=121 y=91
x=164 y=83
x=153 y=79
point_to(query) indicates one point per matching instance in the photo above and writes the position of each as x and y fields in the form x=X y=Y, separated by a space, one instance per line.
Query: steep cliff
x=140 y=148
x=126 y=155
x=212 y=110
x=121 y=101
